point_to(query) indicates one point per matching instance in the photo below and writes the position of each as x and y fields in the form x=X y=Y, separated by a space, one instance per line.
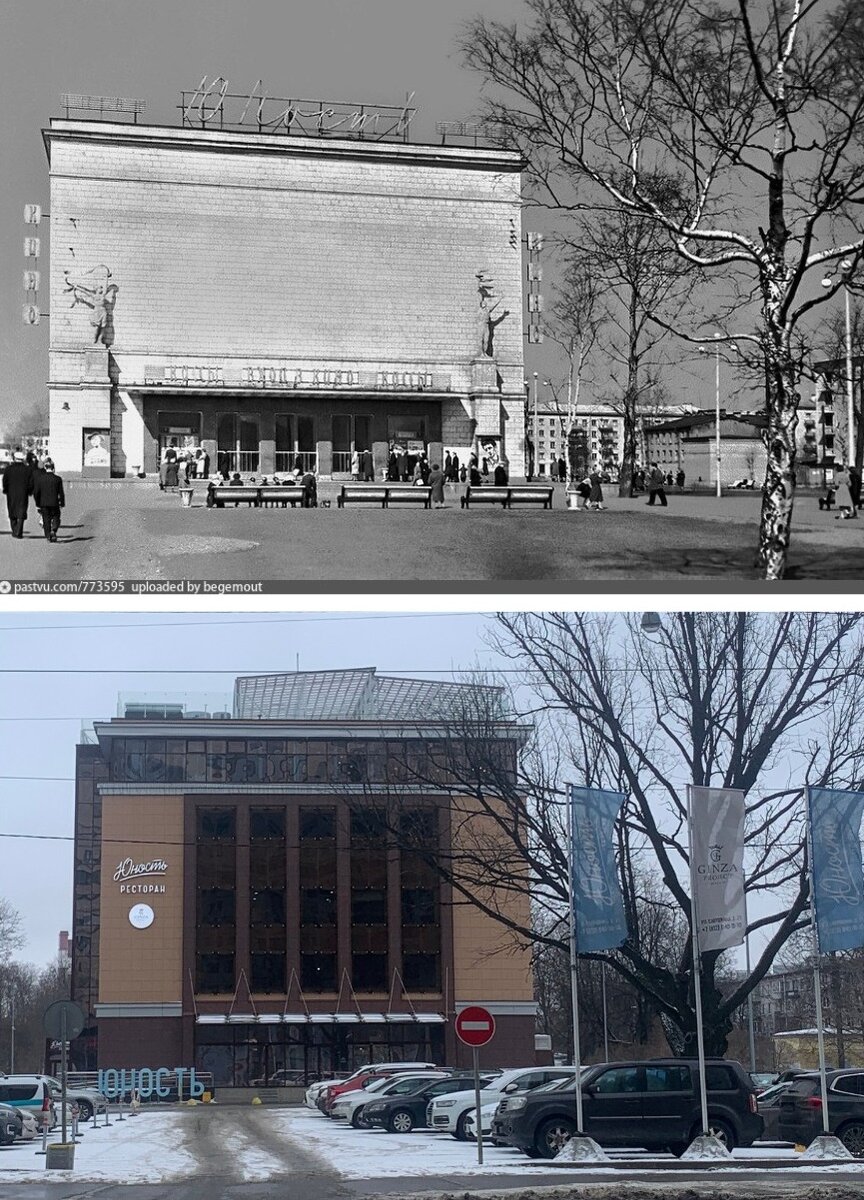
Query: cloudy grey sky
x=365 y=50
x=60 y=670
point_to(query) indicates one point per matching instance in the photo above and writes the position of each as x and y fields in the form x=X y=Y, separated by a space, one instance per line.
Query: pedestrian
x=425 y=469
x=656 y=481
x=679 y=479
x=448 y=467
x=474 y=476
x=49 y=499
x=500 y=476
x=310 y=489
x=17 y=488
x=355 y=465
x=456 y=467
x=188 y=467
x=402 y=465
x=595 y=496
x=855 y=485
x=463 y=474
x=843 y=489
x=417 y=474
x=392 y=468
x=562 y=471
x=436 y=483
x=584 y=490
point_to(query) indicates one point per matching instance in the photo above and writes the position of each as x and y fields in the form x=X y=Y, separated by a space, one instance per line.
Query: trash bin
x=186 y=495
x=60 y=1156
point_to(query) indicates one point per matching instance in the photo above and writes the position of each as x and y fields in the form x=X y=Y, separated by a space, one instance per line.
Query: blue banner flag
x=595 y=891
x=837 y=874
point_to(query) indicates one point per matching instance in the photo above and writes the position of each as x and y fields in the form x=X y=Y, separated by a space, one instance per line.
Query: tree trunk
x=628 y=462
x=779 y=491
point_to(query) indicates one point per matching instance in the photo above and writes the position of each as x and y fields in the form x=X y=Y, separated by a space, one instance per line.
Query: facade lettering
x=127 y=869
x=148 y=1082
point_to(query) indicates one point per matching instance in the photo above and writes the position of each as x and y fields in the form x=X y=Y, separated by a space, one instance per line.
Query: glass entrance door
x=350 y=434
x=295 y=443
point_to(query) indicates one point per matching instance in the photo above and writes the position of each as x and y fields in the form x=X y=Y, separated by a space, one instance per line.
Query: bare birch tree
x=755 y=110
x=765 y=703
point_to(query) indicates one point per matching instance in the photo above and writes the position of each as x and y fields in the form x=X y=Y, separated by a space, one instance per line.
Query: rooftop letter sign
x=212 y=106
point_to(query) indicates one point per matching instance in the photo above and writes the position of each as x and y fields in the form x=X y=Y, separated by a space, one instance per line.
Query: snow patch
x=706 y=1148
x=581 y=1149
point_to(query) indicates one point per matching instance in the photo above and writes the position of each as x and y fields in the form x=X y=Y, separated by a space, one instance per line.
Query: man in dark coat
x=17 y=488
x=367 y=466
x=49 y=499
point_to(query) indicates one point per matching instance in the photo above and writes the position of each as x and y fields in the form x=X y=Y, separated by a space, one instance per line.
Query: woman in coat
x=595 y=499
x=436 y=482
x=843 y=492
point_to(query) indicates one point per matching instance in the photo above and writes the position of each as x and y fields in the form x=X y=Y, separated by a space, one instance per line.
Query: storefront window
x=215 y=887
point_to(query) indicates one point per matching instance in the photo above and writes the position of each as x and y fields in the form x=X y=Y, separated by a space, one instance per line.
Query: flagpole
x=750 y=1030
x=697 y=970
x=817 y=974
x=574 y=965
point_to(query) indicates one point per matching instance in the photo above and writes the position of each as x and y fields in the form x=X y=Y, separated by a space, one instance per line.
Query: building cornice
x=168 y=137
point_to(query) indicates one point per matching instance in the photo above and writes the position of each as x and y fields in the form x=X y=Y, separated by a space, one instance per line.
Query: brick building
x=280 y=301
x=254 y=894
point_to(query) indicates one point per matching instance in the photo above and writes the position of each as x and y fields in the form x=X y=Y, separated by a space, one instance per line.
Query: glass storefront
x=274 y=1055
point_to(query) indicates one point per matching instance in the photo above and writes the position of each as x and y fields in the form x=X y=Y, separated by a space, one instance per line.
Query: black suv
x=654 y=1104
x=401 y=1114
x=800 y=1108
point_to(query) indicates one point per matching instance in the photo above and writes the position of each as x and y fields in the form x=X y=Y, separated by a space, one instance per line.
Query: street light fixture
x=845 y=267
x=651 y=623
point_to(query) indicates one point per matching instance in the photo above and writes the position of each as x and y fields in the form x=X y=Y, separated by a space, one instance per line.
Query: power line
x=252 y=622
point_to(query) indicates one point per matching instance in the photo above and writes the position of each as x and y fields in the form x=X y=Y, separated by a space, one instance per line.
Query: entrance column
x=209 y=441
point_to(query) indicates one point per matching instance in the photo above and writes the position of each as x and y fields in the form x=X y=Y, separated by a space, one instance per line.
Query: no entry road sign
x=475 y=1026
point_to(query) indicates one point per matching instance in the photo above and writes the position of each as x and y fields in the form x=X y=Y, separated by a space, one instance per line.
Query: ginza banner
x=596 y=895
x=717 y=866
x=838 y=878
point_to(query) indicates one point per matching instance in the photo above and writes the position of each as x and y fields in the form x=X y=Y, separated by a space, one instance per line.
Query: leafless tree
x=754 y=109
x=765 y=703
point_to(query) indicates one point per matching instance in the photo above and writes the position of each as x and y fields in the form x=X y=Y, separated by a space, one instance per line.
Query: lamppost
x=717 y=452
x=534 y=430
x=851 y=443
x=532 y=456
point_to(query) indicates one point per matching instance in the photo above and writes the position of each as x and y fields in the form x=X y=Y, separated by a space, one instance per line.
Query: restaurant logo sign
x=129 y=872
x=212 y=106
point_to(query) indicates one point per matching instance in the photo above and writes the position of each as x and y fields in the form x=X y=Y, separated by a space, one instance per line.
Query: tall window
x=421 y=901
x=368 y=900
x=318 y=899
x=267 y=930
x=215 y=899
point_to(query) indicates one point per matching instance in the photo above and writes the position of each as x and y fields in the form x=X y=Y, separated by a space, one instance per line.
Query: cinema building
x=281 y=295
x=256 y=891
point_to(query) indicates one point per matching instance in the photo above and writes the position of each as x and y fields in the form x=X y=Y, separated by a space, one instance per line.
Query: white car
x=449 y=1113
x=350 y=1106
x=487 y=1112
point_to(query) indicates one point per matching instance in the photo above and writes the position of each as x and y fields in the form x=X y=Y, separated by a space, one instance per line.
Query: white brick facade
x=238 y=258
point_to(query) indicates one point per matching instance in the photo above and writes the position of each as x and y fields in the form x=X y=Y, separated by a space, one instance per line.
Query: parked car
x=497 y=1133
x=315 y=1089
x=762 y=1080
x=331 y=1094
x=654 y=1104
x=800 y=1118
x=449 y=1114
x=350 y=1105
x=11 y=1124
x=31 y=1093
x=87 y=1099
x=769 y=1107
x=401 y=1114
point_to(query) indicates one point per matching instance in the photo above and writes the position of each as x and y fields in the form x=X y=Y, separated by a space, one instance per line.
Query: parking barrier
x=120 y=1116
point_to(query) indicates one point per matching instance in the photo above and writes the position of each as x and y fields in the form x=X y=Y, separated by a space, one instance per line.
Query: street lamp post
x=534 y=430
x=717 y=449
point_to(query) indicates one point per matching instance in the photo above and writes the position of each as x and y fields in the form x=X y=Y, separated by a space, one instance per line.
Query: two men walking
x=20 y=482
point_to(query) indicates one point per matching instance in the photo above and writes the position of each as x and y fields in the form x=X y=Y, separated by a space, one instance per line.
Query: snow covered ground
x=147 y=1148
x=256 y=1144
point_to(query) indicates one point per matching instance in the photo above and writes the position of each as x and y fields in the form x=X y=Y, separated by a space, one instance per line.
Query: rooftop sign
x=212 y=106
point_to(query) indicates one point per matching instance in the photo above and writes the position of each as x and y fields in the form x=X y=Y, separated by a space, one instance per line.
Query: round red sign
x=475 y=1026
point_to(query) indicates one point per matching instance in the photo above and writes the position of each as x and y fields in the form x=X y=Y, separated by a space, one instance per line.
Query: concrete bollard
x=44 y=1149
x=120 y=1116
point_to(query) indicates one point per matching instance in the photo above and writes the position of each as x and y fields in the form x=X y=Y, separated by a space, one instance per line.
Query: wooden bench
x=508 y=496
x=385 y=495
x=239 y=495
x=273 y=494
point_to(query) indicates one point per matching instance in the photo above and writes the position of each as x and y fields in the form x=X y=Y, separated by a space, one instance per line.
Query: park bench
x=508 y=496
x=273 y=494
x=384 y=494
x=241 y=495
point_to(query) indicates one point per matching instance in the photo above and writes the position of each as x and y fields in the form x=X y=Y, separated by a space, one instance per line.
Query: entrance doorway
x=237 y=444
x=350 y=433
x=181 y=431
x=295 y=443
